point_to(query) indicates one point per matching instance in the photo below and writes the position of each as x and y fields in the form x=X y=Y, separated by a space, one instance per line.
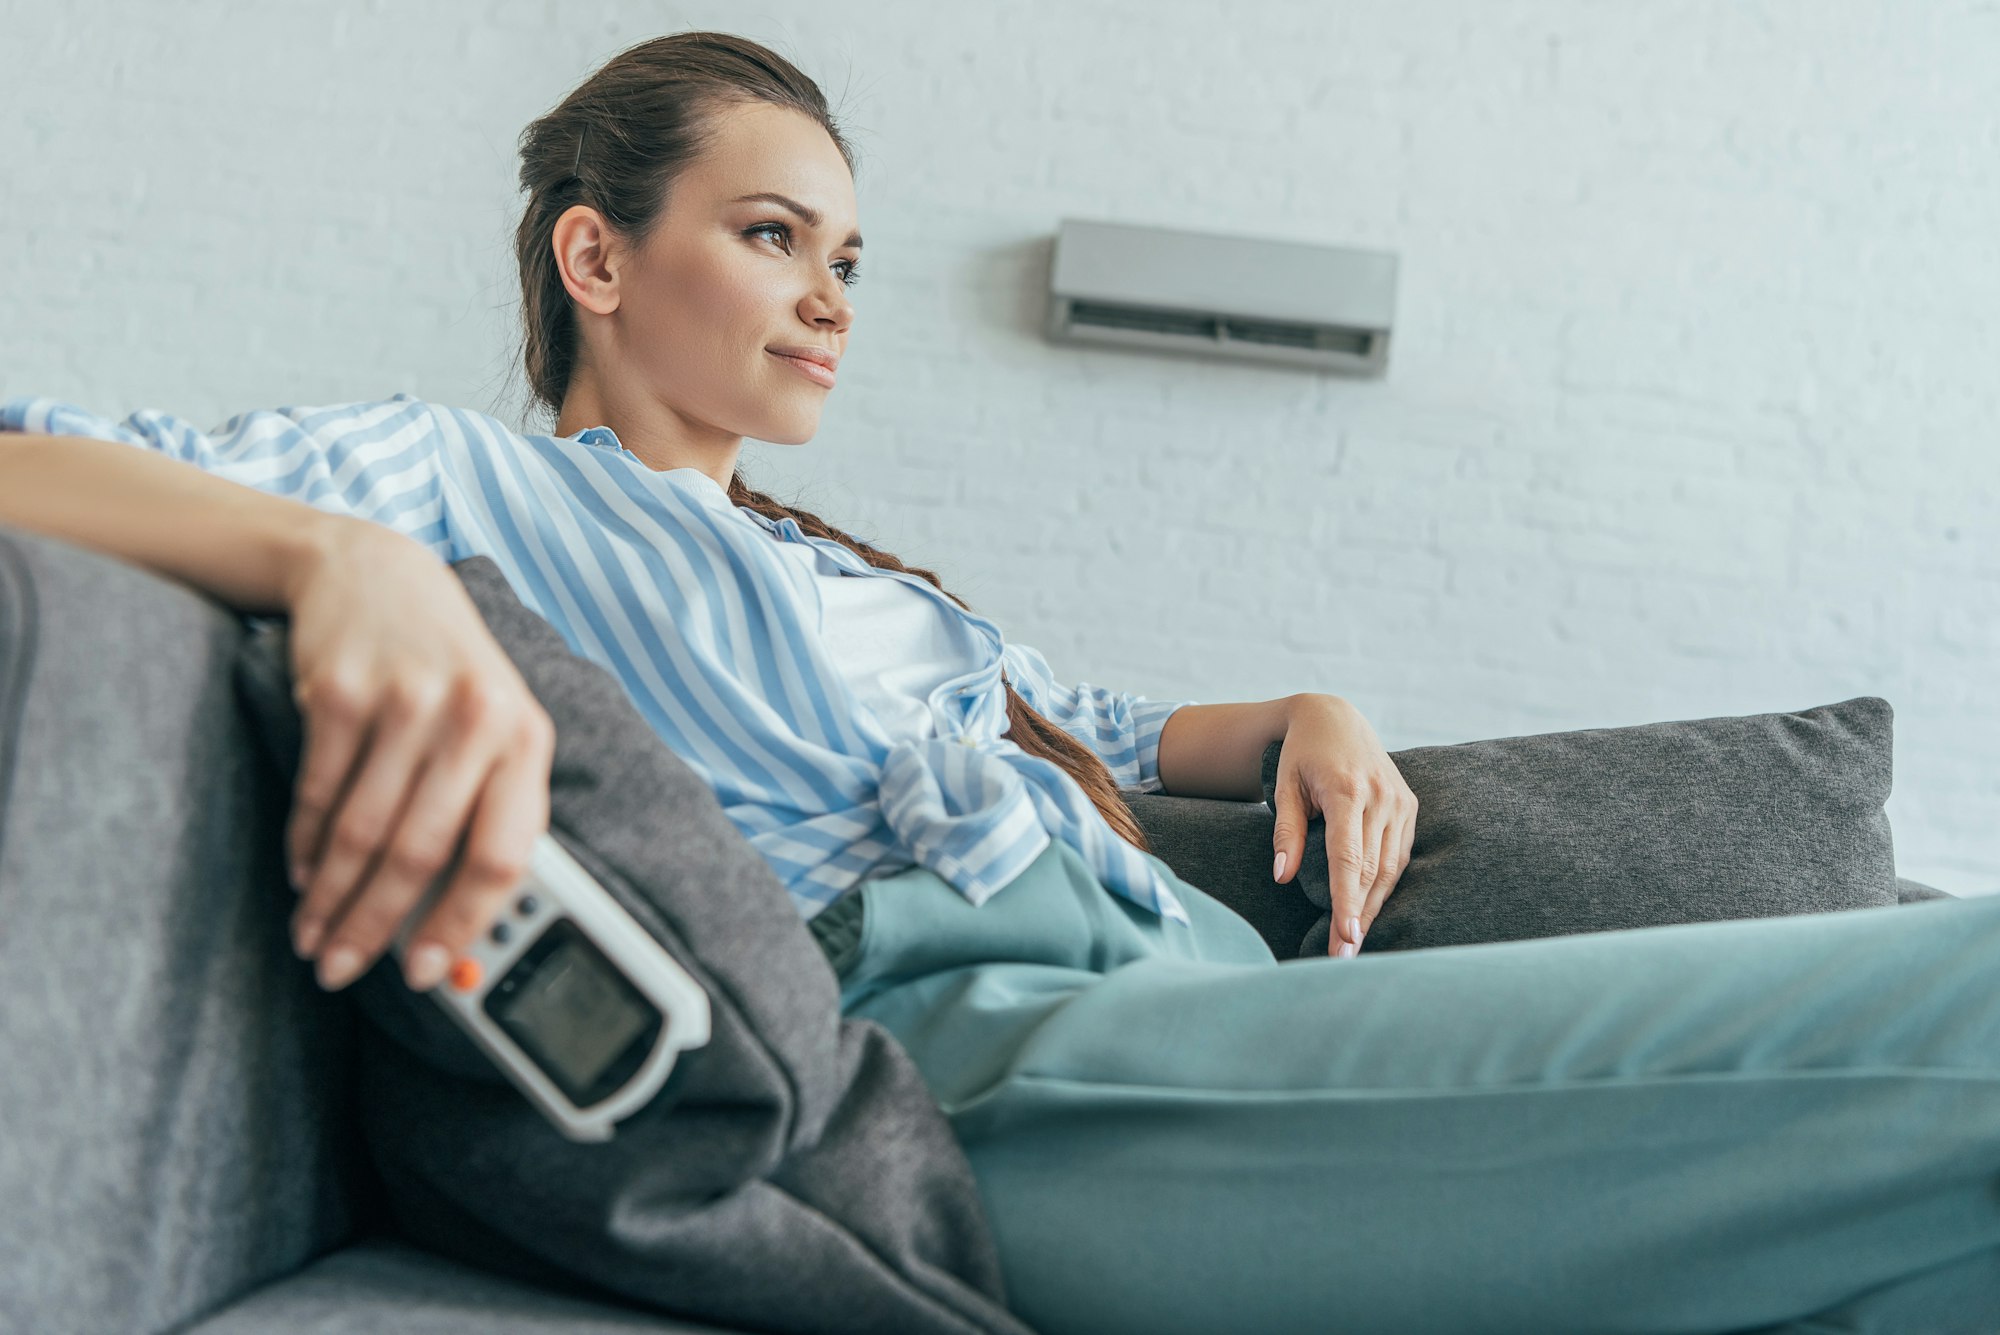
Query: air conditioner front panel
x=1119 y=263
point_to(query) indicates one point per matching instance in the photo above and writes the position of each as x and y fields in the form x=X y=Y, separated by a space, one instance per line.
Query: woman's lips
x=812 y=371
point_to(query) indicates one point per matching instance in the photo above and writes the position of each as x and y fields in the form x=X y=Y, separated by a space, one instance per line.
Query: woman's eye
x=853 y=266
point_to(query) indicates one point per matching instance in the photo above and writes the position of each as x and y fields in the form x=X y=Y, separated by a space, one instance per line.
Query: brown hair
x=617 y=143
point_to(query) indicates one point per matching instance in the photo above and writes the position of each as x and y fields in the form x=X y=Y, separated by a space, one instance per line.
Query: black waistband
x=837 y=928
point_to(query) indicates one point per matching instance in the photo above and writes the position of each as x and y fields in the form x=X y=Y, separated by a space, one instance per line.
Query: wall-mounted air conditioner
x=1212 y=295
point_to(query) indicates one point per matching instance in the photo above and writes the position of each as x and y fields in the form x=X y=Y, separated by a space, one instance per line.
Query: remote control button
x=527 y=905
x=500 y=933
x=464 y=974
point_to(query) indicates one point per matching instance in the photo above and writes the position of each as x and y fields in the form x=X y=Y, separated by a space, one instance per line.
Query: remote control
x=575 y=1002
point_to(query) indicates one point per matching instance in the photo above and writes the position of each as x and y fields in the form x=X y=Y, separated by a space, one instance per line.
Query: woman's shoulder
x=401 y=404
x=401 y=410
x=329 y=426
x=403 y=423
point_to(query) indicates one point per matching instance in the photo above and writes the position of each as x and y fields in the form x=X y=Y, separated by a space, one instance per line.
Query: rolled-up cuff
x=1149 y=720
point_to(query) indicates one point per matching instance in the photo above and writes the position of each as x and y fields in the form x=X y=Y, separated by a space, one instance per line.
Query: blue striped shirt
x=663 y=580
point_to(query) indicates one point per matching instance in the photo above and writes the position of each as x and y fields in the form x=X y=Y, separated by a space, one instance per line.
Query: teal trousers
x=1773 y=1125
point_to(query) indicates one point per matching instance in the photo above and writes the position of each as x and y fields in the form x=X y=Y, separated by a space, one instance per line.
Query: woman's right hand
x=422 y=744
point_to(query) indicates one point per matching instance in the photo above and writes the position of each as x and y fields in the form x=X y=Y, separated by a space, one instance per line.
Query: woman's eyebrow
x=811 y=216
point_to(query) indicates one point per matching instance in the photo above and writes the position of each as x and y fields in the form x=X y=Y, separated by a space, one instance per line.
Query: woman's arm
x=219 y=509
x=1218 y=750
x=246 y=548
x=420 y=737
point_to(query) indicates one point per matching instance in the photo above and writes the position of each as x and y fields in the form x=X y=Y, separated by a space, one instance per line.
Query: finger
x=1375 y=819
x=1389 y=868
x=1405 y=840
x=1288 y=834
x=333 y=730
x=420 y=849
x=513 y=809
x=360 y=826
x=1344 y=867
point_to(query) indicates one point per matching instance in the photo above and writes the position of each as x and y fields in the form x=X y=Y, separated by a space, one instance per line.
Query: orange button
x=464 y=974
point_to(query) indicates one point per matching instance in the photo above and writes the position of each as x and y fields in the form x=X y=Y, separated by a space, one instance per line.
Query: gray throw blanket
x=795 y=1174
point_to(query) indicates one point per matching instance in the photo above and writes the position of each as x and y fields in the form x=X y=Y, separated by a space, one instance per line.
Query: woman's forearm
x=1218 y=750
x=239 y=544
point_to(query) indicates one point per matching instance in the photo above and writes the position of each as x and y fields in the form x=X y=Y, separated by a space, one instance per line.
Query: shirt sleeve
x=374 y=461
x=1122 y=728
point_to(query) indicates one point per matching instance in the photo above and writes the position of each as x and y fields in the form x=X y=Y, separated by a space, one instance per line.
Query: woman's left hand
x=1333 y=765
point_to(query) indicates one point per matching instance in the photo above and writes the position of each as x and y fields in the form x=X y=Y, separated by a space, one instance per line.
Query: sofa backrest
x=175 y=1115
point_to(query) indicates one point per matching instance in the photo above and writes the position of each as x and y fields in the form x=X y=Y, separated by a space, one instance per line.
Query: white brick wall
x=1691 y=409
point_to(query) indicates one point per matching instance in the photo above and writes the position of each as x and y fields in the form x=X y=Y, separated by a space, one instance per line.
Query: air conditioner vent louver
x=1320 y=337
x=1138 y=317
x=1222 y=328
x=1219 y=296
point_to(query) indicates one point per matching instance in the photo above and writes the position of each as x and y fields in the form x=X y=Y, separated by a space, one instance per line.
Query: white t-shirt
x=893 y=644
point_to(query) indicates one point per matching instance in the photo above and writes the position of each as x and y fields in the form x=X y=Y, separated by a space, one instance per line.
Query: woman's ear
x=588 y=258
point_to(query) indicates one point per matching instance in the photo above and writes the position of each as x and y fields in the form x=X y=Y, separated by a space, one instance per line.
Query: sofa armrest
x=384 y=1285
x=175 y=1099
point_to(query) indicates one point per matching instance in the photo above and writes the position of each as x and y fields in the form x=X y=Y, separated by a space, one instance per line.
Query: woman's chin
x=788 y=431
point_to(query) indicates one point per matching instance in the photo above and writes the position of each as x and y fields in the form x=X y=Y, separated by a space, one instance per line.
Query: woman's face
x=679 y=333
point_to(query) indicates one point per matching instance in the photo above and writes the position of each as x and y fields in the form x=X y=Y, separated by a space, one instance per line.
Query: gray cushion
x=794 y=1173
x=1912 y=892
x=1604 y=829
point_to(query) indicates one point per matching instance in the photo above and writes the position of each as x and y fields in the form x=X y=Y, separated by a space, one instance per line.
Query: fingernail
x=305 y=938
x=1354 y=930
x=1278 y=868
x=337 y=970
x=1347 y=949
x=427 y=964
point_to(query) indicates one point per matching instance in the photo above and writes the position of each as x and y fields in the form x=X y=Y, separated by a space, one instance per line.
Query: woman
x=1696 y=1128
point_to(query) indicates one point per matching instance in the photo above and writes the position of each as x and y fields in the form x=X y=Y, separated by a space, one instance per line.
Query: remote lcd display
x=575 y=1014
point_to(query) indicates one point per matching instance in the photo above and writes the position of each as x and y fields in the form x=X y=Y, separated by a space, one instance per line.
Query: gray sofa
x=179 y=1148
